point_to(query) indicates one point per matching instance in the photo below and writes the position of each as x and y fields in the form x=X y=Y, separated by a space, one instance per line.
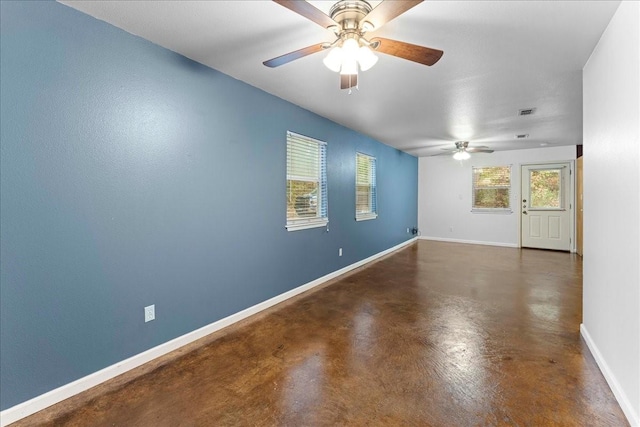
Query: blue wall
x=133 y=176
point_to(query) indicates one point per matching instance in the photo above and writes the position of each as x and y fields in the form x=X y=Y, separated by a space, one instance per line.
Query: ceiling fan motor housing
x=349 y=13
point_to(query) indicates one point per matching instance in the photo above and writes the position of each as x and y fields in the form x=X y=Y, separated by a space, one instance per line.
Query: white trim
x=303 y=225
x=366 y=217
x=38 y=403
x=471 y=242
x=618 y=392
x=506 y=211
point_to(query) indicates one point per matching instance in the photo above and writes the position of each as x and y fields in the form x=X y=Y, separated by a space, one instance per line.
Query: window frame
x=495 y=210
x=320 y=220
x=373 y=189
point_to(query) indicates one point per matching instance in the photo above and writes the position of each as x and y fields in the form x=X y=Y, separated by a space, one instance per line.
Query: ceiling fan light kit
x=461 y=152
x=351 y=52
x=333 y=60
x=461 y=155
x=366 y=58
x=346 y=58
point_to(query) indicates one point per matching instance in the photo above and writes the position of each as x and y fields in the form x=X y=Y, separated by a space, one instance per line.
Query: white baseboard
x=618 y=392
x=38 y=403
x=471 y=242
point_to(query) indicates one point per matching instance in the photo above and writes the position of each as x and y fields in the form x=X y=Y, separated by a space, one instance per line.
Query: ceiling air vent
x=526 y=111
x=522 y=136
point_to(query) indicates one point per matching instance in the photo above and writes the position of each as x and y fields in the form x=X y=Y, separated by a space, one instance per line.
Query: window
x=545 y=186
x=491 y=189
x=365 y=187
x=306 y=182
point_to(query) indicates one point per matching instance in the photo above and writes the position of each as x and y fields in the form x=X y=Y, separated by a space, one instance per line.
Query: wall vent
x=522 y=136
x=526 y=111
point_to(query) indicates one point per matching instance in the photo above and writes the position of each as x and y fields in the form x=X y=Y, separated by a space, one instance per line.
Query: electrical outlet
x=149 y=313
x=340 y=252
x=408 y=231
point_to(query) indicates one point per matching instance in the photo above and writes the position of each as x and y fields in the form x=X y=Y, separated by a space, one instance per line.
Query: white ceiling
x=499 y=57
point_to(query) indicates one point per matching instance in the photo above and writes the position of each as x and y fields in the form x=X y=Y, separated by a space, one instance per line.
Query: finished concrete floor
x=436 y=334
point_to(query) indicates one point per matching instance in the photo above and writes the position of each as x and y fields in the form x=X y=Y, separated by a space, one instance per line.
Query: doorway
x=546 y=221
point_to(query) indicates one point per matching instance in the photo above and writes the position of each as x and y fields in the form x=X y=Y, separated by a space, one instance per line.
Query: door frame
x=579 y=179
x=571 y=199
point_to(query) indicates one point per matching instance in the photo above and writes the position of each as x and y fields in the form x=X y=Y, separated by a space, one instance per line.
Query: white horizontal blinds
x=324 y=200
x=306 y=181
x=303 y=159
x=491 y=187
x=374 y=186
x=366 y=199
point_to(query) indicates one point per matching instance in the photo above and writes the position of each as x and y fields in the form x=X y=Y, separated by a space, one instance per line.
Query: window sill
x=304 y=225
x=492 y=211
x=366 y=217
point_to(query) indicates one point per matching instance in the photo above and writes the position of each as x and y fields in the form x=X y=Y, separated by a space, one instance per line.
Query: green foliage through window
x=545 y=186
x=492 y=187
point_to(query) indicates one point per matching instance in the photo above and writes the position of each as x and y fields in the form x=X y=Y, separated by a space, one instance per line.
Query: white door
x=546 y=206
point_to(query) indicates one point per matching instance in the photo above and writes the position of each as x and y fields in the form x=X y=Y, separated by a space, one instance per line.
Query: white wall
x=444 y=196
x=611 y=305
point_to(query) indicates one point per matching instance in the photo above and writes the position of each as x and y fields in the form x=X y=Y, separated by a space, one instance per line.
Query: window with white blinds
x=492 y=189
x=366 y=203
x=306 y=182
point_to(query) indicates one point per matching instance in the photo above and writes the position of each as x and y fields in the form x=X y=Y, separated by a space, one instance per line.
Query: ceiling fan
x=462 y=150
x=350 y=20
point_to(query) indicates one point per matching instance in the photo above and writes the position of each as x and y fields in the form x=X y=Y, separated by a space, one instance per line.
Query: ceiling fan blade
x=388 y=10
x=307 y=10
x=292 y=56
x=412 y=52
x=348 y=81
x=479 y=150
